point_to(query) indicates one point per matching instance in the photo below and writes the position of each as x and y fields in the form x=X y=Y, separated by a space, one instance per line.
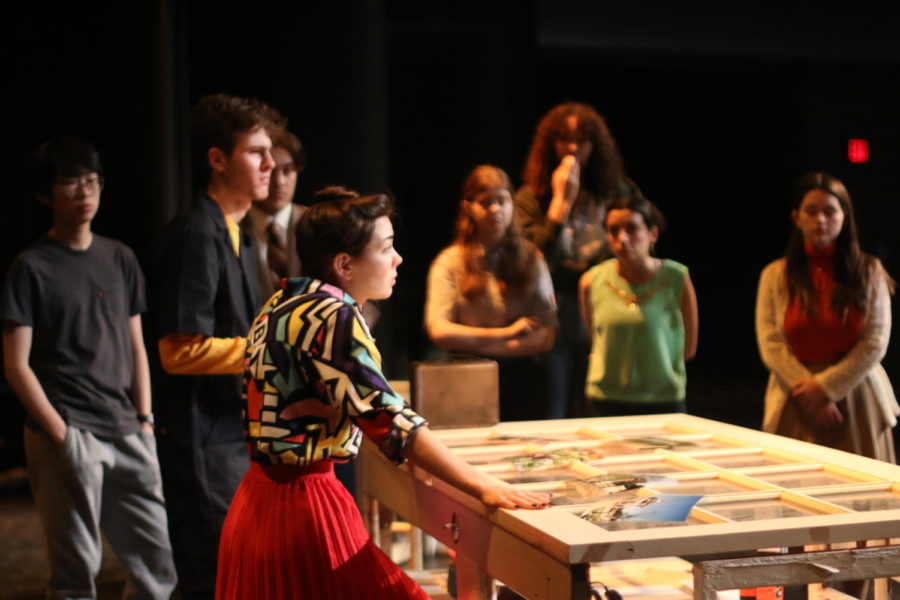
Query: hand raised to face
x=565 y=183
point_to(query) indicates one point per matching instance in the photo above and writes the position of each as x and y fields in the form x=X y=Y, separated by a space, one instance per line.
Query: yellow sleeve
x=183 y=354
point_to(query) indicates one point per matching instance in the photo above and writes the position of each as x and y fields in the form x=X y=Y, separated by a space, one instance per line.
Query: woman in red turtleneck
x=823 y=319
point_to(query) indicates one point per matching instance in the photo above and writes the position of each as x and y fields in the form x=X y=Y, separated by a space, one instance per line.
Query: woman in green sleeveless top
x=641 y=313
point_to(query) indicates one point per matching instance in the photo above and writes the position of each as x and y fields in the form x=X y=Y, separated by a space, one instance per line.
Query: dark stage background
x=717 y=111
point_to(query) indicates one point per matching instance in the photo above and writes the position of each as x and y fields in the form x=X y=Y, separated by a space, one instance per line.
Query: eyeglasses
x=89 y=183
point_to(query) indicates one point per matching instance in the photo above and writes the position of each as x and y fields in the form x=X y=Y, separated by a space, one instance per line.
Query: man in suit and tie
x=273 y=220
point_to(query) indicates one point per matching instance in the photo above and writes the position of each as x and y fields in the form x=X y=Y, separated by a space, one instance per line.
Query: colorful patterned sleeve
x=313 y=383
x=350 y=368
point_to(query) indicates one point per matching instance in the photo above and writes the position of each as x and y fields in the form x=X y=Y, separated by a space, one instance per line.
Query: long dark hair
x=853 y=269
x=600 y=175
x=517 y=267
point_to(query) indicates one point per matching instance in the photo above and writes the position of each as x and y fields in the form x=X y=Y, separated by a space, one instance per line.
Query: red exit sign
x=858 y=150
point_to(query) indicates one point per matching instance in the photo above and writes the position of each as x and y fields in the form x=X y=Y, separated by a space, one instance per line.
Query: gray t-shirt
x=78 y=303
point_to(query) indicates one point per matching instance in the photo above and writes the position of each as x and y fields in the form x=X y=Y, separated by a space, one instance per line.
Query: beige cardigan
x=863 y=361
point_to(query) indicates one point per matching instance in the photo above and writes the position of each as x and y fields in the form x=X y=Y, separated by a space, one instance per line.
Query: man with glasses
x=73 y=352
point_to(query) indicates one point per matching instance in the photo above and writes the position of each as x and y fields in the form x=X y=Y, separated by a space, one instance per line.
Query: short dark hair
x=217 y=120
x=290 y=142
x=635 y=201
x=62 y=157
x=339 y=221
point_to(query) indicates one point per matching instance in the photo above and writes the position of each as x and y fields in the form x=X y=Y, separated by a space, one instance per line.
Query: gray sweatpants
x=92 y=484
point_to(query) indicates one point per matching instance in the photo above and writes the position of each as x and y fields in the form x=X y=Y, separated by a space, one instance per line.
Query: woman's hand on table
x=504 y=496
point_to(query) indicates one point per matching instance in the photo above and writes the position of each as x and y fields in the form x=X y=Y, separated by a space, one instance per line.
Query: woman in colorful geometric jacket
x=313 y=387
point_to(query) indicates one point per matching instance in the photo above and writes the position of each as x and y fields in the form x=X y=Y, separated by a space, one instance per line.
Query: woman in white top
x=490 y=294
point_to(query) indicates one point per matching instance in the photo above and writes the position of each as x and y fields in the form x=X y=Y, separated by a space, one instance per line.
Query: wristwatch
x=148 y=418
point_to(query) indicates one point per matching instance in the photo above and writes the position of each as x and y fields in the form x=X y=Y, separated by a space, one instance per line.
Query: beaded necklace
x=633 y=300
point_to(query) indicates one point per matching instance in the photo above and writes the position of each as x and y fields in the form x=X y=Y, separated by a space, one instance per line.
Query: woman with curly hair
x=573 y=171
x=823 y=321
x=490 y=294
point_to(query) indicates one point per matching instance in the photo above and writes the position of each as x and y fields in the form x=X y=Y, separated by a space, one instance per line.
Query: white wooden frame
x=546 y=554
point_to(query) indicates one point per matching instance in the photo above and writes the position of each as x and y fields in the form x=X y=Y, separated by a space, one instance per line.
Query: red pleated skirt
x=294 y=533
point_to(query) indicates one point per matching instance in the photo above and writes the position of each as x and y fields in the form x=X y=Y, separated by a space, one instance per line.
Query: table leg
x=472 y=583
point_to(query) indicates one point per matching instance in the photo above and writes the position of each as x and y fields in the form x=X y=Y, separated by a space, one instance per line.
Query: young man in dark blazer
x=206 y=297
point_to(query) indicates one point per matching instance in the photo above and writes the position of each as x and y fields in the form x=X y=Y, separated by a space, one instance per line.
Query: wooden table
x=760 y=491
